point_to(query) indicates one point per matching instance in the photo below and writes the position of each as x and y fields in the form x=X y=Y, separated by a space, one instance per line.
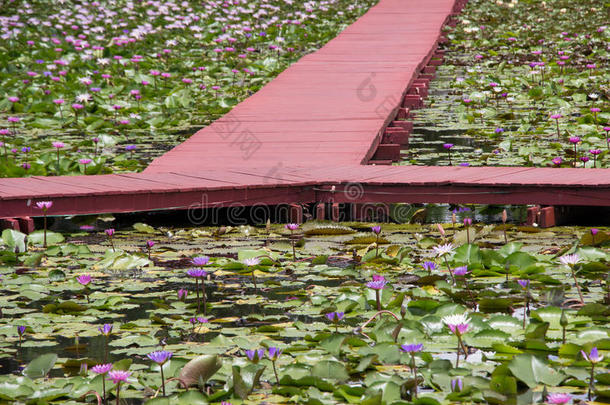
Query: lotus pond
x=106 y=86
x=397 y=314
x=523 y=83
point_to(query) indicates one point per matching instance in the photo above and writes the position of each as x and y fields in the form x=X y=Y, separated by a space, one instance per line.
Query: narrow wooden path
x=307 y=137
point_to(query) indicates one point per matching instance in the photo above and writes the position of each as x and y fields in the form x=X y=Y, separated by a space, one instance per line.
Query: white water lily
x=570 y=260
x=456 y=319
x=82 y=98
x=252 y=261
x=442 y=250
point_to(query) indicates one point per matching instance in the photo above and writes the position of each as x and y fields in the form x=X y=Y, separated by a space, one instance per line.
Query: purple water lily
x=255 y=355
x=106 y=330
x=199 y=274
x=378 y=284
x=429 y=267
x=160 y=357
x=274 y=354
x=200 y=261
x=412 y=348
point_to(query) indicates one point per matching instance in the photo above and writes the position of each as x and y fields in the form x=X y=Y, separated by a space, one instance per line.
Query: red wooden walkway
x=306 y=136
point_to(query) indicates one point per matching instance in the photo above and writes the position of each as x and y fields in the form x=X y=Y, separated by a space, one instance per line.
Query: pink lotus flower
x=118 y=376
x=558 y=398
x=44 y=205
x=84 y=279
x=101 y=368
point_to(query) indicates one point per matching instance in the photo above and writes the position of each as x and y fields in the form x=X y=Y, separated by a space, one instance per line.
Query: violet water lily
x=255 y=355
x=461 y=272
x=182 y=294
x=594 y=232
x=412 y=349
x=457 y=385
x=592 y=357
x=20 y=332
x=429 y=267
x=200 y=261
x=575 y=141
x=377 y=231
x=160 y=357
x=110 y=233
x=199 y=274
x=85 y=280
x=378 y=284
x=149 y=246
x=274 y=354
x=106 y=330
x=335 y=318
x=448 y=147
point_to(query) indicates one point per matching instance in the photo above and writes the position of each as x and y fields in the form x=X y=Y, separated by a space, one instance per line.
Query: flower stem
x=275 y=372
x=413 y=368
x=591 y=381
x=525 y=309
x=254 y=280
x=197 y=290
x=104 y=389
x=582 y=300
x=449 y=268
x=463 y=348
x=457 y=358
x=204 y=296
x=377 y=296
x=162 y=379
x=377 y=247
x=294 y=252
x=44 y=242
x=118 y=387
x=106 y=351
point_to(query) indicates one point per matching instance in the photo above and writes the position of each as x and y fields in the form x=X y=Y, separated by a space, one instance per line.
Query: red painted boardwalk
x=305 y=136
x=155 y=191
x=327 y=108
